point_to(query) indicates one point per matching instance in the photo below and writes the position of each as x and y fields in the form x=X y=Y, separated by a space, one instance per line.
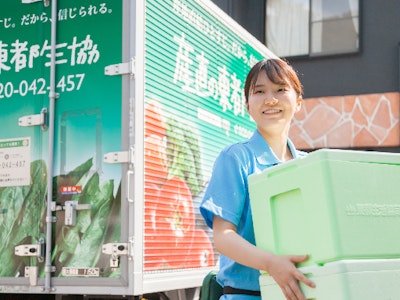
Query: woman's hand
x=281 y=268
x=287 y=276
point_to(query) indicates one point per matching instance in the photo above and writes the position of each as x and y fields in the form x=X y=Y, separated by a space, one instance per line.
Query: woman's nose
x=270 y=101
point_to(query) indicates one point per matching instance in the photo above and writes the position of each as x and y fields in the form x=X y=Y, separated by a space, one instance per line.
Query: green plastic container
x=332 y=205
x=345 y=280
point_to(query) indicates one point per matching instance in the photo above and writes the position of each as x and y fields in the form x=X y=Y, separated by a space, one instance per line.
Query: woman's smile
x=271 y=111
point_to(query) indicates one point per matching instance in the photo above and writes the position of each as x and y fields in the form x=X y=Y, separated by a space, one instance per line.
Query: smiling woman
x=273 y=95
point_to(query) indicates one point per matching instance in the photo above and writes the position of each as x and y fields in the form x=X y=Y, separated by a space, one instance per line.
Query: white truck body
x=113 y=112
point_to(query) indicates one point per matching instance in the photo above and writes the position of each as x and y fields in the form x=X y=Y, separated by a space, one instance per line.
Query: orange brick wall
x=355 y=121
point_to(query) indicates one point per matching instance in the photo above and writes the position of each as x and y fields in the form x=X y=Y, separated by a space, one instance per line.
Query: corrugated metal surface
x=195 y=69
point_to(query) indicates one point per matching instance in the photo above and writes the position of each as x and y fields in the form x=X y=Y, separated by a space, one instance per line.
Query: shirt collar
x=263 y=152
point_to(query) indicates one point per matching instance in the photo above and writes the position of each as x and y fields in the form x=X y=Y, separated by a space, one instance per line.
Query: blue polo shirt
x=227 y=197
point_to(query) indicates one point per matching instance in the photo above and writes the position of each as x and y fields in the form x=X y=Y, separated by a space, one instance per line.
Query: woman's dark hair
x=277 y=70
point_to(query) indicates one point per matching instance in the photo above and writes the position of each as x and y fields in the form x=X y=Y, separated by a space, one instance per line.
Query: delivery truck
x=112 y=114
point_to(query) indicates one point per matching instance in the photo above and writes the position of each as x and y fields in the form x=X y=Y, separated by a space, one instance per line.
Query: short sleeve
x=226 y=191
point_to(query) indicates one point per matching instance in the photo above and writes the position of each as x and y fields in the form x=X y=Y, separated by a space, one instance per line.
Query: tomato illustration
x=155 y=156
x=201 y=253
x=175 y=209
x=152 y=258
x=154 y=120
x=151 y=196
x=173 y=223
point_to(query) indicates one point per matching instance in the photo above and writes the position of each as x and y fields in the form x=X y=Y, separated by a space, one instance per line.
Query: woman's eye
x=282 y=89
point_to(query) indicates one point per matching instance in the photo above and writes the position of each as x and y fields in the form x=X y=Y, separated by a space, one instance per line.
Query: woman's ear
x=299 y=101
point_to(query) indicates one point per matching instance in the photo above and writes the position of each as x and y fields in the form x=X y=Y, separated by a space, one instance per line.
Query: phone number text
x=12 y=165
x=39 y=86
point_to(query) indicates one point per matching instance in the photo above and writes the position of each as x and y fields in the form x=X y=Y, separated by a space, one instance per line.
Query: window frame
x=311 y=55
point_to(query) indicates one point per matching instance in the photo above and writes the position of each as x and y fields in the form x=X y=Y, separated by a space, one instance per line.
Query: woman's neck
x=279 y=145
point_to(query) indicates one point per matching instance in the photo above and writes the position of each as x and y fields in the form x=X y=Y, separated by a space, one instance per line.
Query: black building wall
x=249 y=13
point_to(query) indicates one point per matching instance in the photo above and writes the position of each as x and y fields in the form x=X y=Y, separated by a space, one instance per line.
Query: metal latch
x=32 y=273
x=115 y=250
x=71 y=207
x=46 y=2
x=127 y=68
x=34 y=120
x=119 y=157
x=31 y=250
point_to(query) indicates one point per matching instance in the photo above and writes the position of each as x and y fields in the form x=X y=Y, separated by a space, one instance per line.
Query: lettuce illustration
x=21 y=221
x=184 y=155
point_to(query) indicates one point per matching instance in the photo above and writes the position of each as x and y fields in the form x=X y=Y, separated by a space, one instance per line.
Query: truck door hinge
x=115 y=250
x=127 y=68
x=34 y=120
x=46 y=2
x=31 y=250
x=119 y=157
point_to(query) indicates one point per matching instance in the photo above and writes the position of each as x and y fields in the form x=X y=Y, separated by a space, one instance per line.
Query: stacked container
x=340 y=207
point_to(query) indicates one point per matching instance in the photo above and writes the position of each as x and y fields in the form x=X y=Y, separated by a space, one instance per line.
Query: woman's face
x=272 y=106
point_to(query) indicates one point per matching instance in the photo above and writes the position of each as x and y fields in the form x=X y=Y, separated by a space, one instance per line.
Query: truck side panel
x=147 y=95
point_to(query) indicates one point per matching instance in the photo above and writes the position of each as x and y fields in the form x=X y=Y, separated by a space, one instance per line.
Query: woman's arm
x=281 y=268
